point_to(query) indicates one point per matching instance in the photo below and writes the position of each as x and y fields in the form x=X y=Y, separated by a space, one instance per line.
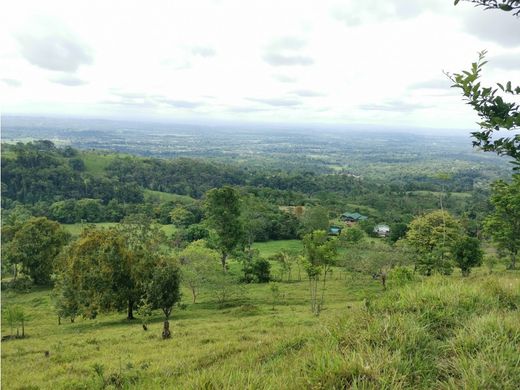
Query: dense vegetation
x=93 y=237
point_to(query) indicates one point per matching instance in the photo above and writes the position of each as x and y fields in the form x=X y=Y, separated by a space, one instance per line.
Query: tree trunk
x=223 y=260
x=166 y=334
x=194 y=293
x=130 y=310
x=23 y=328
x=513 y=260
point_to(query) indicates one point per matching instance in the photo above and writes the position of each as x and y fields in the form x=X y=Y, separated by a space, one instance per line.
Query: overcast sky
x=342 y=62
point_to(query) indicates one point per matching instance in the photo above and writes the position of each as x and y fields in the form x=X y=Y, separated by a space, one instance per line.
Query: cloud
x=307 y=93
x=147 y=100
x=244 y=109
x=288 y=43
x=277 y=59
x=277 y=102
x=393 y=106
x=203 y=51
x=506 y=61
x=360 y=12
x=53 y=47
x=284 y=51
x=179 y=103
x=493 y=26
x=12 y=82
x=284 y=79
x=443 y=84
x=68 y=80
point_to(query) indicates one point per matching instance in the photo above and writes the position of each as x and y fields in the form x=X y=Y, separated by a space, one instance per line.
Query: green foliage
x=352 y=235
x=222 y=208
x=503 y=225
x=182 y=217
x=315 y=218
x=503 y=5
x=34 y=246
x=495 y=113
x=400 y=276
x=431 y=236
x=16 y=318
x=467 y=254
x=320 y=252
x=199 y=265
x=163 y=291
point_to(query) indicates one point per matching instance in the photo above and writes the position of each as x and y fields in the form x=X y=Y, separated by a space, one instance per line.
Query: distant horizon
x=249 y=125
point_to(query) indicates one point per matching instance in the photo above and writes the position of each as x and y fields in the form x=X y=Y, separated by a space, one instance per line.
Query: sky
x=377 y=62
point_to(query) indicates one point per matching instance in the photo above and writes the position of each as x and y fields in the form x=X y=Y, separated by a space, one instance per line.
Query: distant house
x=352 y=217
x=334 y=231
x=382 y=230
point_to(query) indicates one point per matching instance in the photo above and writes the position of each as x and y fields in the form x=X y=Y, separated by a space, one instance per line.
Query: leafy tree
x=163 y=291
x=352 y=235
x=182 y=217
x=315 y=218
x=503 y=225
x=398 y=231
x=431 y=236
x=320 y=252
x=66 y=297
x=16 y=317
x=467 y=254
x=109 y=268
x=494 y=111
x=35 y=246
x=199 y=264
x=222 y=208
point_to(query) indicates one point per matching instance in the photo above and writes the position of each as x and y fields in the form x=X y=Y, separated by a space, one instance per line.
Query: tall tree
x=163 y=291
x=432 y=236
x=222 y=209
x=315 y=218
x=198 y=265
x=34 y=246
x=503 y=225
x=320 y=252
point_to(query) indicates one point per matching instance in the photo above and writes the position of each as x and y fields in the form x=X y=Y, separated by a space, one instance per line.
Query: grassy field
x=269 y=248
x=96 y=162
x=444 y=332
x=76 y=228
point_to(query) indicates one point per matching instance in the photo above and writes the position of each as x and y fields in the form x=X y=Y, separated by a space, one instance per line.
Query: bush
x=21 y=284
x=399 y=276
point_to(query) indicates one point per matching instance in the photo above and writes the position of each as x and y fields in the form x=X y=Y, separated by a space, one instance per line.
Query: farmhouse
x=352 y=217
x=382 y=230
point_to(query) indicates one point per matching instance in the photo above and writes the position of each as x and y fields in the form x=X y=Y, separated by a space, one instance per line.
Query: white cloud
x=377 y=62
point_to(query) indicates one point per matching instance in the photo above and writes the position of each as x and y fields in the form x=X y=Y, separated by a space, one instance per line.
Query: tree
x=467 y=254
x=320 y=252
x=431 y=236
x=315 y=218
x=182 y=217
x=352 y=235
x=504 y=5
x=163 y=291
x=108 y=269
x=503 y=225
x=222 y=208
x=495 y=113
x=198 y=265
x=35 y=246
